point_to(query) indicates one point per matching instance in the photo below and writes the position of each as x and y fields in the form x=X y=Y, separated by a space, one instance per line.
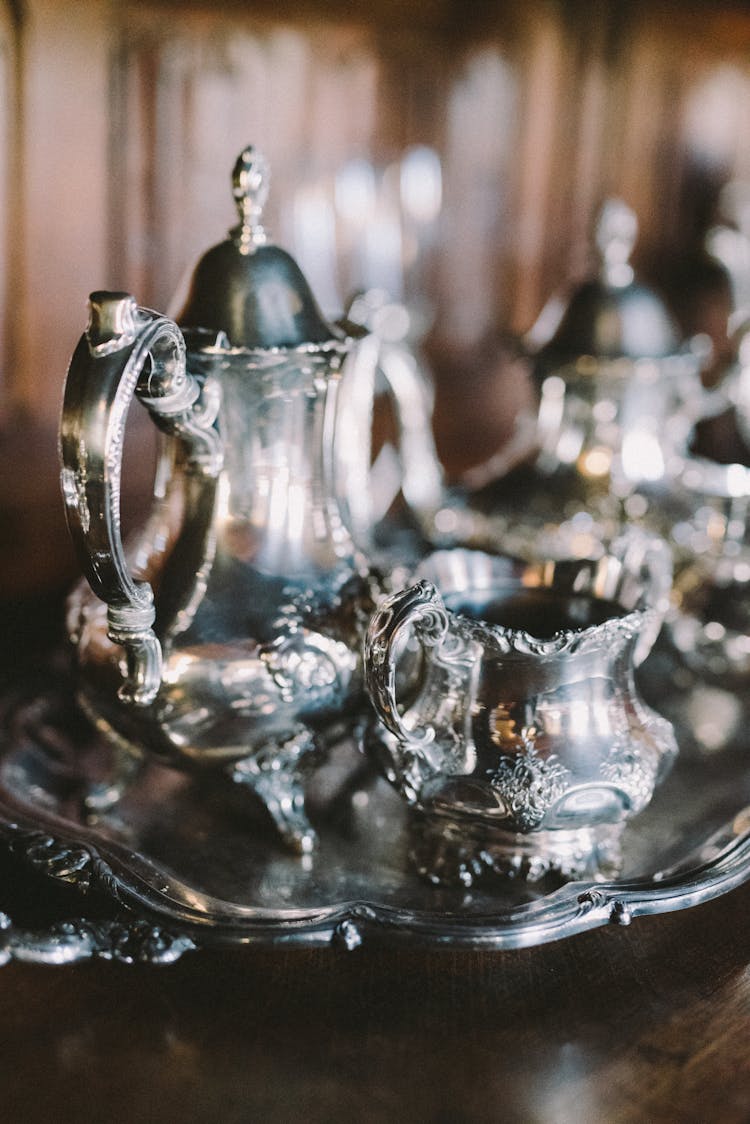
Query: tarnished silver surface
x=507 y=694
x=242 y=603
x=187 y=869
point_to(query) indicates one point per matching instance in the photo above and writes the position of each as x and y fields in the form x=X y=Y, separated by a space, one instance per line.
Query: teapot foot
x=448 y=852
x=276 y=774
x=102 y=796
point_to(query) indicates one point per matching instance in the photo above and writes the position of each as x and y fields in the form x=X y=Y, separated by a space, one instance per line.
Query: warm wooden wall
x=120 y=121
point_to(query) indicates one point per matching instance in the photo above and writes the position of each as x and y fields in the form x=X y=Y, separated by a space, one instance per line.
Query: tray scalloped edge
x=151 y=931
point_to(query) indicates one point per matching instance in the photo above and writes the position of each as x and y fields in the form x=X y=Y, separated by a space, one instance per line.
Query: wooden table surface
x=645 y=1023
x=649 y=1023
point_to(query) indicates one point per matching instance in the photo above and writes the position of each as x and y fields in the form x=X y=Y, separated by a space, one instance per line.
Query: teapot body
x=247 y=654
x=615 y=425
x=229 y=630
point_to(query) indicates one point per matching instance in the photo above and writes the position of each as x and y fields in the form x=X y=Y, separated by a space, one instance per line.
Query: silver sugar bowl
x=228 y=633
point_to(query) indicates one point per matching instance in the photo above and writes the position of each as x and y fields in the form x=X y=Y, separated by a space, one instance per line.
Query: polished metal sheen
x=512 y=723
x=228 y=633
x=181 y=867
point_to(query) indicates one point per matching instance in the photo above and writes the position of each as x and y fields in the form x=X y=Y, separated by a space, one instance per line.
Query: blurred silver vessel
x=388 y=369
x=618 y=394
x=614 y=377
x=707 y=519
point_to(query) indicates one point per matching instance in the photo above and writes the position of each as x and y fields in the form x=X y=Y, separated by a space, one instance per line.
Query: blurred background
x=451 y=152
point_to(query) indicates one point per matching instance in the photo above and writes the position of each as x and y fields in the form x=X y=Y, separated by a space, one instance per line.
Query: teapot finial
x=616 y=233
x=250 y=185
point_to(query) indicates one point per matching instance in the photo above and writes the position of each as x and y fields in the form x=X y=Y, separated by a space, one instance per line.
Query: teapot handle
x=419 y=609
x=126 y=351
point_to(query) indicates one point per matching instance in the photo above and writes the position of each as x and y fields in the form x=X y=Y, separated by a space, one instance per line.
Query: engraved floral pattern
x=631 y=770
x=529 y=785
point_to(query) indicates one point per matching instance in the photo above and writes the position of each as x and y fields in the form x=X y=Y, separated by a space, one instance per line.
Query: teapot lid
x=612 y=316
x=249 y=289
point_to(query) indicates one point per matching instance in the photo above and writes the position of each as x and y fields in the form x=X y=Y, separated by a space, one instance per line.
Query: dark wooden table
x=649 y=1023
x=645 y=1023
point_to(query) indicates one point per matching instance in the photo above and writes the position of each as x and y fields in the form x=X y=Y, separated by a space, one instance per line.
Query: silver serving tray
x=186 y=862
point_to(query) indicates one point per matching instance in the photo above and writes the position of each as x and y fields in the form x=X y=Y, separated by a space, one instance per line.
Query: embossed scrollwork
x=420 y=611
x=136 y=942
x=126 y=351
x=529 y=785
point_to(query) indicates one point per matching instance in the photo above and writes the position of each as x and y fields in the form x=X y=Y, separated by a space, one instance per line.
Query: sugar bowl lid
x=249 y=289
x=612 y=315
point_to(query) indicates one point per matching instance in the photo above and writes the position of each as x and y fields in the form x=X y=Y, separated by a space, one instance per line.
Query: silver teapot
x=616 y=383
x=228 y=633
x=617 y=397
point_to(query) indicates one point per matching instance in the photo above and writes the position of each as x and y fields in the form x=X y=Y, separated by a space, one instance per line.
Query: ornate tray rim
x=150 y=928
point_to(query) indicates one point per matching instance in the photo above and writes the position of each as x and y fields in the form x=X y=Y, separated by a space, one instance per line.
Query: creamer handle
x=126 y=351
x=420 y=610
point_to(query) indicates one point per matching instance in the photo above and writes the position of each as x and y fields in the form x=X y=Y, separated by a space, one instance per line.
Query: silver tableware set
x=253 y=623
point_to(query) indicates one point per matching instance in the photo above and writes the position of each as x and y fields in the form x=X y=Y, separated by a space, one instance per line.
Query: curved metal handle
x=412 y=467
x=419 y=608
x=125 y=351
x=421 y=471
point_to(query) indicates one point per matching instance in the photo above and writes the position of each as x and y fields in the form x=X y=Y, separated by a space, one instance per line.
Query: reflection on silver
x=242 y=603
x=386 y=363
x=192 y=875
x=710 y=620
x=729 y=241
x=510 y=718
x=617 y=423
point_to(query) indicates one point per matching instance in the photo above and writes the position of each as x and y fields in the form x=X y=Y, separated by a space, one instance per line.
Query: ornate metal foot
x=276 y=774
x=449 y=853
x=103 y=795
